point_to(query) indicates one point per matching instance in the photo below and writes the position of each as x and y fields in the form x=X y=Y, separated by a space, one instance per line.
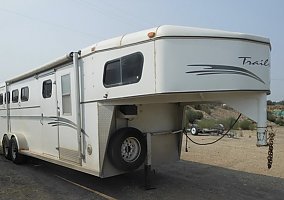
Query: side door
x=48 y=107
x=68 y=139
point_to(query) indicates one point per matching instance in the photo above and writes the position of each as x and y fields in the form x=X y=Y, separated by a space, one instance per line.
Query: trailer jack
x=148 y=163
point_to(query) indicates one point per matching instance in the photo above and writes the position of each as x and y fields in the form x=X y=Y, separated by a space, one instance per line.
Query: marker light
x=151 y=34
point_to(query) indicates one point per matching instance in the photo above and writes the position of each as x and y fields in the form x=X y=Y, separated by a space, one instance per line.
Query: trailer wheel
x=6 y=147
x=16 y=157
x=194 y=131
x=127 y=149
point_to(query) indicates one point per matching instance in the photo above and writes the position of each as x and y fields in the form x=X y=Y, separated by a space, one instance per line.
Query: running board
x=69 y=155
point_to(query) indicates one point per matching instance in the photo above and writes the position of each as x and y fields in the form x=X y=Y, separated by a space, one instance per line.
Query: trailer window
x=24 y=94
x=112 y=75
x=8 y=97
x=47 y=89
x=1 y=99
x=123 y=71
x=15 y=96
x=66 y=94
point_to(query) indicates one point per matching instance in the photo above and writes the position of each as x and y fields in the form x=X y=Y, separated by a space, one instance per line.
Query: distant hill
x=217 y=111
x=221 y=113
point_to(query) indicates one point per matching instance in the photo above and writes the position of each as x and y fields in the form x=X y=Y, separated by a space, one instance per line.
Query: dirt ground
x=239 y=153
x=233 y=169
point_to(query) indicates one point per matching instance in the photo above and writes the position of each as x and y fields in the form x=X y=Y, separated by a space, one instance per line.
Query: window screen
x=24 y=94
x=123 y=71
x=47 y=89
x=1 y=99
x=66 y=94
x=15 y=96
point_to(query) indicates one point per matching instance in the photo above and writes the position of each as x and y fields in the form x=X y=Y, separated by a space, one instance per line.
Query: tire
x=16 y=157
x=127 y=149
x=6 y=147
x=194 y=131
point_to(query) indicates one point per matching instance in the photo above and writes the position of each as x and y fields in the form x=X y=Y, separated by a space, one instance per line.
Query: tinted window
x=112 y=73
x=15 y=96
x=132 y=68
x=25 y=94
x=1 y=99
x=123 y=71
x=47 y=89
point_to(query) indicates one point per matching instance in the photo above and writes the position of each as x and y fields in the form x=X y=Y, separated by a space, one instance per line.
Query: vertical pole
x=147 y=167
x=149 y=149
x=261 y=123
x=77 y=101
x=7 y=107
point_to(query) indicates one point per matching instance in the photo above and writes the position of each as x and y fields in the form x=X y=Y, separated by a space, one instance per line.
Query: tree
x=192 y=116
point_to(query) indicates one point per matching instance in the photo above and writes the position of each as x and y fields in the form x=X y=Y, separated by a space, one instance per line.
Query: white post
x=148 y=162
x=77 y=101
x=7 y=107
x=261 y=122
x=149 y=149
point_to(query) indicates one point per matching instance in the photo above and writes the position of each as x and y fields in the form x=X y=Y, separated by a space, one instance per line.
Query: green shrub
x=246 y=125
x=207 y=123
x=229 y=122
x=192 y=116
x=203 y=107
x=270 y=116
x=206 y=109
x=197 y=107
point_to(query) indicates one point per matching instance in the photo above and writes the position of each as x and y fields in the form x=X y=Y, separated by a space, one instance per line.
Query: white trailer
x=92 y=110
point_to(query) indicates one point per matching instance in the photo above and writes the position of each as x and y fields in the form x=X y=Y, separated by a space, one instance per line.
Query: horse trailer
x=116 y=105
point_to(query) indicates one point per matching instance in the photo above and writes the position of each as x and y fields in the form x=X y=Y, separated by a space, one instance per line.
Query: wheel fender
x=21 y=140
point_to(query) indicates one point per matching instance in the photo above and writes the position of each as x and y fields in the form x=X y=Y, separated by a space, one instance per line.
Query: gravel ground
x=232 y=169
x=239 y=153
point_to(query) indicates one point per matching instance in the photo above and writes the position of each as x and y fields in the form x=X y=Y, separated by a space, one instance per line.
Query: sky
x=35 y=32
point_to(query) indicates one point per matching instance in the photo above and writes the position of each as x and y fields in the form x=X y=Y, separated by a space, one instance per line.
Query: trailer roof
x=142 y=36
x=169 y=31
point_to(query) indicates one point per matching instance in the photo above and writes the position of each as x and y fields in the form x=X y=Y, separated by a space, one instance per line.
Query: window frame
x=27 y=96
x=15 y=99
x=44 y=85
x=123 y=68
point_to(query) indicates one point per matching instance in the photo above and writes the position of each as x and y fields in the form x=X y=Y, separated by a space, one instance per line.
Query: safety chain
x=271 y=134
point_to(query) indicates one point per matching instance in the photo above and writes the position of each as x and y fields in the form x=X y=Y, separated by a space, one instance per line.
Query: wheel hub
x=130 y=149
